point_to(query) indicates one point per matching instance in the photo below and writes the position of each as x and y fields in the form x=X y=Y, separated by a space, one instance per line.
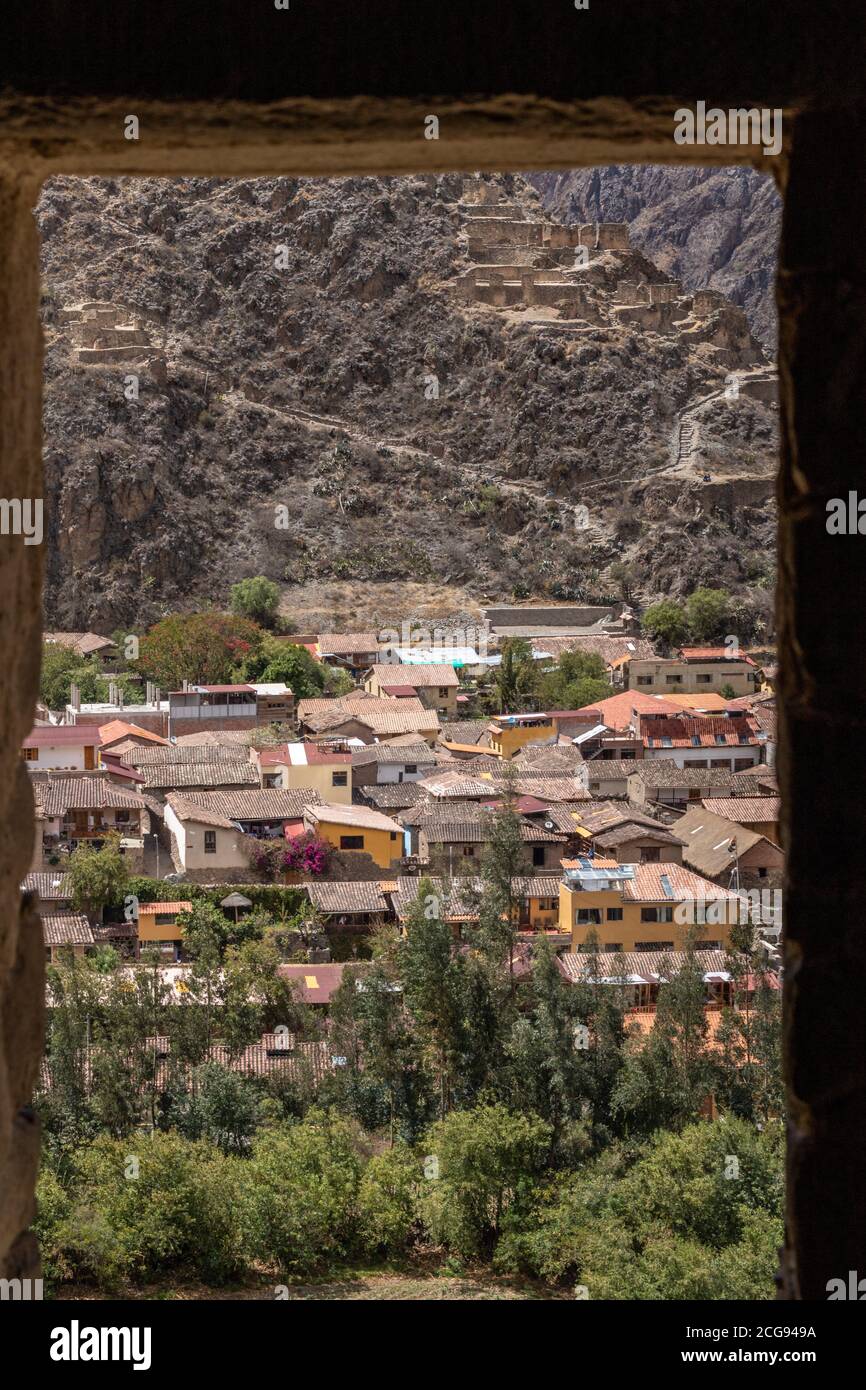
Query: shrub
x=487 y=1159
x=388 y=1200
x=300 y=1194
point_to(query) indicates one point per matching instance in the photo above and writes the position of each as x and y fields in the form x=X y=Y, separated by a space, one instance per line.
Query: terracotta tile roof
x=84 y=643
x=648 y=967
x=558 y=758
x=648 y=886
x=618 y=711
x=710 y=840
x=118 y=728
x=611 y=769
x=156 y=909
x=393 y=796
x=365 y=817
x=688 y=732
x=187 y=754
x=353 y=896
x=421 y=676
x=66 y=929
x=708 y=701
x=269 y=803
x=714 y=654
x=634 y=830
x=56 y=887
x=58 y=794
x=660 y=772
x=466 y=731
x=381 y=716
x=301 y=755
x=221 y=773
x=215 y=738
x=744 y=809
x=347 y=643
x=393 y=753
x=612 y=650
x=446 y=827
x=186 y=809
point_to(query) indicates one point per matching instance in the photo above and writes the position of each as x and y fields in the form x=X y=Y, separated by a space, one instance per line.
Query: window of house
x=587 y=917
x=703 y=680
x=649 y=914
x=614 y=914
x=210 y=842
x=644 y=680
x=393 y=834
x=443 y=692
x=164 y=919
x=339 y=779
x=121 y=816
x=654 y=945
x=411 y=767
x=611 y=946
x=674 y=680
x=538 y=855
x=31 y=755
x=468 y=851
x=702 y=945
x=351 y=842
x=650 y=855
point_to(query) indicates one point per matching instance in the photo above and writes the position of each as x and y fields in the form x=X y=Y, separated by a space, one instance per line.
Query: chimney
x=148 y=699
x=120 y=697
x=157 y=696
x=112 y=693
x=75 y=697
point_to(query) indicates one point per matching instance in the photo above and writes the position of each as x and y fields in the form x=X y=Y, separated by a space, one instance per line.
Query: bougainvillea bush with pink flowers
x=308 y=854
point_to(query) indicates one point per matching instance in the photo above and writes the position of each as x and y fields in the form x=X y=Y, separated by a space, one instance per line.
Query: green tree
x=515 y=675
x=300 y=1192
x=708 y=614
x=257 y=599
x=221 y=1106
x=98 y=877
x=482 y=1163
x=203 y=648
x=579 y=679
x=276 y=660
x=666 y=622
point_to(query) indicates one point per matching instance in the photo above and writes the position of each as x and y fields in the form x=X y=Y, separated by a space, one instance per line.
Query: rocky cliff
x=716 y=228
x=314 y=380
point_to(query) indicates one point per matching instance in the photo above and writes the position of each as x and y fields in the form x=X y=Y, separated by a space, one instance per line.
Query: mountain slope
x=305 y=348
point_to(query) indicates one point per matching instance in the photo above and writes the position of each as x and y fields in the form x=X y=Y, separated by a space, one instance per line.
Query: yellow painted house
x=158 y=926
x=643 y=907
x=358 y=828
x=511 y=732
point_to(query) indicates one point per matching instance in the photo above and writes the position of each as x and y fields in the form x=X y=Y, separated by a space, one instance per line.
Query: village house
x=619 y=712
x=158 y=927
x=119 y=737
x=452 y=839
x=760 y=814
x=642 y=907
x=608 y=777
x=360 y=903
x=367 y=718
x=62 y=748
x=719 y=848
x=84 y=644
x=384 y=764
x=66 y=933
x=616 y=830
x=536 y=899
x=198 y=708
x=207 y=827
x=84 y=808
x=732 y=743
x=509 y=733
x=694 y=670
x=152 y=714
x=348 y=651
x=434 y=684
x=358 y=828
x=661 y=782
x=643 y=974
x=465 y=738
x=311 y=766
